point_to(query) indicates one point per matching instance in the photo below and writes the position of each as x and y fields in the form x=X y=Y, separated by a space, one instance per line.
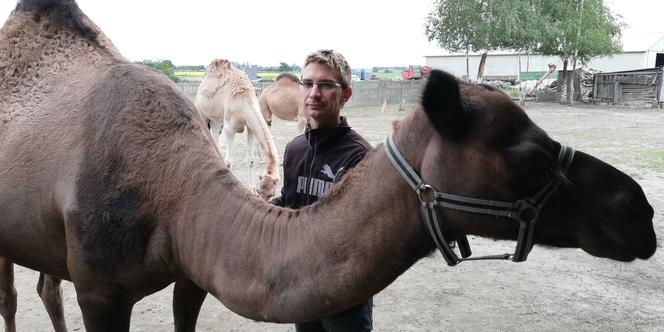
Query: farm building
x=639 y=52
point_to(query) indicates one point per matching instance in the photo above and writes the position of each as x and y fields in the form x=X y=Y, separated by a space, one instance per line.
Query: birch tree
x=457 y=26
x=579 y=30
x=485 y=25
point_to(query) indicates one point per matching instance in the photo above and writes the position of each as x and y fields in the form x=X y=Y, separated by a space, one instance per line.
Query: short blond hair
x=333 y=59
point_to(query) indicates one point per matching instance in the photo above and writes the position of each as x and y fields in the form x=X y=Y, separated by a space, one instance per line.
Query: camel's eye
x=530 y=167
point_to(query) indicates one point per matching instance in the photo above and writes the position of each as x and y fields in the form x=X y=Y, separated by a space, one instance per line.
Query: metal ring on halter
x=526 y=209
x=423 y=189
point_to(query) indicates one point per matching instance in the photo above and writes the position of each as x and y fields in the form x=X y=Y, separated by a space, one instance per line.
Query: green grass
x=654 y=161
x=513 y=93
x=190 y=73
x=269 y=75
x=273 y=74
x=388 y=76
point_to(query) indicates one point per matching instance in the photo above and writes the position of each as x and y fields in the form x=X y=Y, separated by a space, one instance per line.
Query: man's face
x=323 y=102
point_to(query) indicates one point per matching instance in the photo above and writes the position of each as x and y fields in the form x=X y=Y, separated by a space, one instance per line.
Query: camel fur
x=109 y=178
x=283 y=99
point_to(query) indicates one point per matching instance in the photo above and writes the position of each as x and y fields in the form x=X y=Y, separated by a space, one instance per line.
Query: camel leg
x=251 y=142
x=104 y=309
x=187 y=301
x=215 y=131
x=50 y=293
x=227 y=140
x=7 y=294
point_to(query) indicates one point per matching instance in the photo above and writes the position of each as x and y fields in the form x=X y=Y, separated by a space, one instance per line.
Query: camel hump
x=63 y=14
x=289 y=76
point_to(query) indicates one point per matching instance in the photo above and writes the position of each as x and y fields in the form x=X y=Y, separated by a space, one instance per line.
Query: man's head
x=325 y=87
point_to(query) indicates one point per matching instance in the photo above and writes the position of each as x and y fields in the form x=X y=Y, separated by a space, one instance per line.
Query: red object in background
x=415 y=72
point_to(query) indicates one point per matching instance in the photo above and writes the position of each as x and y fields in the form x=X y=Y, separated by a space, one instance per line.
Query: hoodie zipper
x=311 y=166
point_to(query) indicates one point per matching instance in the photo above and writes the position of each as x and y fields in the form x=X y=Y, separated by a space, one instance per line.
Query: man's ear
x=346 y=94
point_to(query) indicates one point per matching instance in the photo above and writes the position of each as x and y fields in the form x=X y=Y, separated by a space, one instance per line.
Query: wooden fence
x=633 y=87
x=365 y=93
x=630 y=87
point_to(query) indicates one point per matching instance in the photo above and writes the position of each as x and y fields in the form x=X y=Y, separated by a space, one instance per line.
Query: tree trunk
x=562 y=80
x=467 y=65
x=570 y=84
x=480 y=69
x=518 y=71
x=570 y=80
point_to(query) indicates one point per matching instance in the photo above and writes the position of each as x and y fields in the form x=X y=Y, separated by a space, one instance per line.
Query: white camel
x=228 y=100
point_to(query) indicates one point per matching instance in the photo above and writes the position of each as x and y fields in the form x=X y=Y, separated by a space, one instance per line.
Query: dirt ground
x=555 y=290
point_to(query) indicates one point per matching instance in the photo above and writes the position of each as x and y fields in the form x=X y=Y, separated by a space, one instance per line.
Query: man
x=318 y=158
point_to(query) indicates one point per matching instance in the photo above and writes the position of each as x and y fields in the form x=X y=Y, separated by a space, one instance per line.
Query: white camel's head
x=267 y=185
x=219 y=65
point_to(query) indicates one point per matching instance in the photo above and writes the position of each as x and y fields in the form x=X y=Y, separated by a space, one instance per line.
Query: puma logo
x=327 y=170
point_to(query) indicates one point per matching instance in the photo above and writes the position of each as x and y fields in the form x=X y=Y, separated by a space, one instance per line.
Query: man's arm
x=279 y=200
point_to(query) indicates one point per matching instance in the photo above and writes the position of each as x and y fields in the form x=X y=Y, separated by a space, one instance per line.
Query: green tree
x=484 y=26
x=284 y=67
x=147 y=62
x=190 y=67
x=167 y=68
x=520 y=26
x=457 y=26
x=579 y=30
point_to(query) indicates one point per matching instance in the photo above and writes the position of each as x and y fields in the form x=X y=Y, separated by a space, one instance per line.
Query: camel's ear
x=443 y=104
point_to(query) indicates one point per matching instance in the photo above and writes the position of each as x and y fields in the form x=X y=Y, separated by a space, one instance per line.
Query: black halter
x=525 y=211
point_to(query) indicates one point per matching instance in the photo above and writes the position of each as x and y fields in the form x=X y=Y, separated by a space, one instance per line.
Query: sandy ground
x=555 y=290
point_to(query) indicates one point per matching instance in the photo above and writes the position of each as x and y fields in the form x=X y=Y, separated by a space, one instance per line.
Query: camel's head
x=482 y=145
x=287 y=76
x=267 y=185
x=219 y=65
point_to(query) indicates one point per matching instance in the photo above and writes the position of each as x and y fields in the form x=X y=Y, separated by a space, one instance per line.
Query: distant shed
x=642 y=86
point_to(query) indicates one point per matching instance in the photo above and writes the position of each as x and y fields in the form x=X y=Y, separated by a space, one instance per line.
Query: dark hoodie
x=316 y=159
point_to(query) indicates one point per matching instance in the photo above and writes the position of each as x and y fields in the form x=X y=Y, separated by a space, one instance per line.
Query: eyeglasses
x=322 y=85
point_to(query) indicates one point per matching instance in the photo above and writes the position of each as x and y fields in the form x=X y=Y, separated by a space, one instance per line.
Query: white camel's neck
x=256 y=122
x=269 y=263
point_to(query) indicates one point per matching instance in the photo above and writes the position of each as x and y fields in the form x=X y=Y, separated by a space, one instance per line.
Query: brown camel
x=228 y=100
x=283 y=99
x=110 y=179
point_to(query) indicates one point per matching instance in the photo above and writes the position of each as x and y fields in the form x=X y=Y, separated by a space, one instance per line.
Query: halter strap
x=525 y=211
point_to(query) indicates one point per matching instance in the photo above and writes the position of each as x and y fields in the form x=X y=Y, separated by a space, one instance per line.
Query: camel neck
x=266 y=262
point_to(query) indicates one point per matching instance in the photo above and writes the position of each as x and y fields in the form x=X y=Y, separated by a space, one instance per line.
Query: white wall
x=508 y=64
x=620 y=62
x=496 y=64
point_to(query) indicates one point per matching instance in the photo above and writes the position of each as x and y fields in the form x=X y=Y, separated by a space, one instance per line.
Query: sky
x=370 y=33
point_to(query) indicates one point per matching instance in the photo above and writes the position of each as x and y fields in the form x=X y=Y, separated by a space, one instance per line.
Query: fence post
x=595 y=88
